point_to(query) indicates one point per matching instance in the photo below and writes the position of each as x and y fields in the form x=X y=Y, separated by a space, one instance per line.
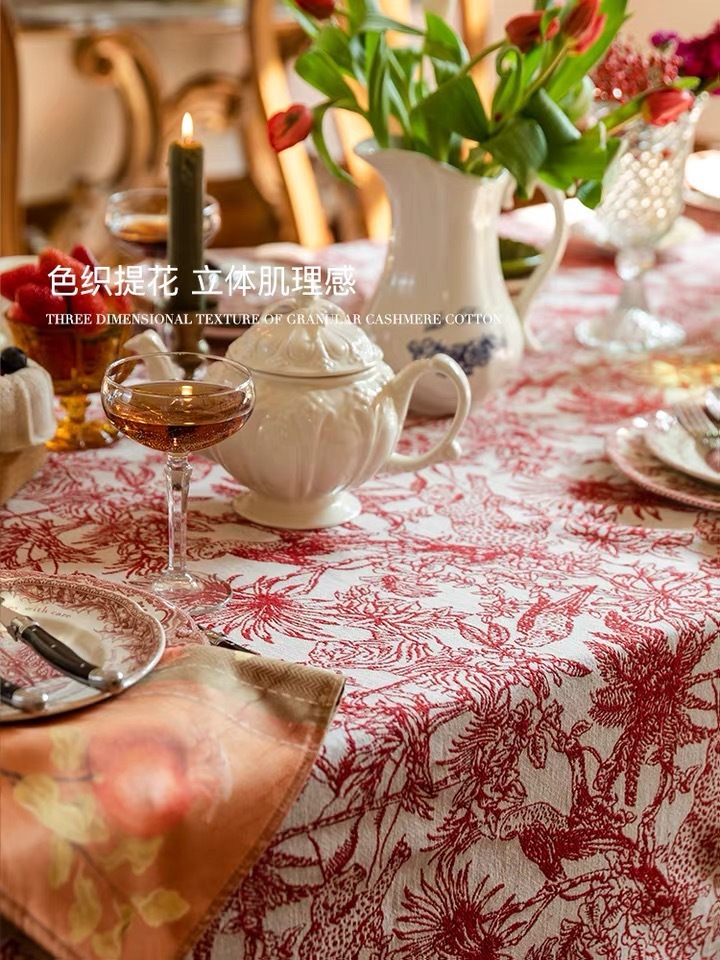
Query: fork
x=705 y=432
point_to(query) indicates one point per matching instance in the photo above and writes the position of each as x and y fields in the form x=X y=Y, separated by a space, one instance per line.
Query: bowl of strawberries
x=66 y=317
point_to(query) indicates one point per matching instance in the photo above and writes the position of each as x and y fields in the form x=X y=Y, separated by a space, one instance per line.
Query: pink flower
x=525 y=30
x=583 y=25
x=663 y=39
x=663 y=106
x=322 y=9
x=701 y=56
x=289 y=127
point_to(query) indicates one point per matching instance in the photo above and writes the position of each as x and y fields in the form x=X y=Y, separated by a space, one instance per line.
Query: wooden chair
x=10 y=218
x=300 y=204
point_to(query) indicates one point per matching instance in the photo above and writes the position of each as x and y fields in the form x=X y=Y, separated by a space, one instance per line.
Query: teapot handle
x=401 y=388
x=551 y=257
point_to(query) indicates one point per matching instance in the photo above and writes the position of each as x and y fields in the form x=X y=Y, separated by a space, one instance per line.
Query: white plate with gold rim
x=99 y=622
x=675 y=447
x=630 y=453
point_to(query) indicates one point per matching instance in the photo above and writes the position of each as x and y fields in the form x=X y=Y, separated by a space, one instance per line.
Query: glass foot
x=194 y=595
x=631 y=331
x=87 y=435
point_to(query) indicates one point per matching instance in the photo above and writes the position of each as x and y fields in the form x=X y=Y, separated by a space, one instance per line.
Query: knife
x=57 y=653
x=22 y=698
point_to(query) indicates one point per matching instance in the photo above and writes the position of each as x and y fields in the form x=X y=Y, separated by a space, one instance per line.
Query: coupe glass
x=137 y=219
x=642 y=199
x=179 y=413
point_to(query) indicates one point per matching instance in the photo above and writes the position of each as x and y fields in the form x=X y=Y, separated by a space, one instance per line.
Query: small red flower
x=584 y=24
x=525 y=30
x=287 y=128
x=322 y=9
x=663 y=106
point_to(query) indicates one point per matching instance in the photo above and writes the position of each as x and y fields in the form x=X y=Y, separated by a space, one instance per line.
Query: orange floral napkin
x=125 y=826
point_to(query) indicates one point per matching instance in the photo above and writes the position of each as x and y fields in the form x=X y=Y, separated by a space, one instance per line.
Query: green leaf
x=585 y=159
x=685 y=83
x=578 y=102
x=446 y=51
x=556 y=125
x=509 y=90
x=321 y=146
x=320 y=71
x=378 y=23
x=309 y=26
x=399 y=87
x=574 y=68
x=357 y=12
x=456 y=108
x=521 y=148
x=590 y=193
x=379 y=92
x=336 y=44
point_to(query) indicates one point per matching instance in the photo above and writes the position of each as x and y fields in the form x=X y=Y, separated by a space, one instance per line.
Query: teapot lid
x=305 y=337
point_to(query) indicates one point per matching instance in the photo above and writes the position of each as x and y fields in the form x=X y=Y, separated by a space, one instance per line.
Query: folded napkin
x=125 y=826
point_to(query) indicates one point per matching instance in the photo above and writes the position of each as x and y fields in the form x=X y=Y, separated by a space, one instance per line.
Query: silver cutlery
x=694 y=420
x=218 y=639
x=54 y=651
x=22 y=698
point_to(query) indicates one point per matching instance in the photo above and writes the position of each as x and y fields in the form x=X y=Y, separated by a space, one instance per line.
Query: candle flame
x=187 y=127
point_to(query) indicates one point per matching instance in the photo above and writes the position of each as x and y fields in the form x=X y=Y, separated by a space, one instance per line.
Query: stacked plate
x=116 y=626
x=702 y=180
x=659 y=455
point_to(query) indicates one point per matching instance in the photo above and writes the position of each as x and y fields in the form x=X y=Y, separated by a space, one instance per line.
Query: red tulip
x=322 y=9
x=663 y=106
x=525 y=30
x=584 y=24
x=290 y=127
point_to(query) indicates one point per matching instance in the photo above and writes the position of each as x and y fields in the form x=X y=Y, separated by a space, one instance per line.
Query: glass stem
x=632 y=264
x=177 y=481
x=75 y=405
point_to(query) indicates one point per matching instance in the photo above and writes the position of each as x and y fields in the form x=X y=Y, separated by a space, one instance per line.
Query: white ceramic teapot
x=328 y=414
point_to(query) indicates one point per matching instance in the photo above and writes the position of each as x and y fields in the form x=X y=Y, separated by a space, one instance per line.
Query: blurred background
x=101 y=87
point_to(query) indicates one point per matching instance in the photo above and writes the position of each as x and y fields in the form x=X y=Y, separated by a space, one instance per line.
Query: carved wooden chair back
x=10 y=217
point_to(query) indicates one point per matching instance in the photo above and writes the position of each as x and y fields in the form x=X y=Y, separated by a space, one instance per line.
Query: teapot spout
x=149 y=345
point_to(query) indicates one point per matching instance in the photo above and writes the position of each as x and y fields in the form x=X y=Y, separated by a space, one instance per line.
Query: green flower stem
x=545 y=75
x=628 y=111
x=481 y=56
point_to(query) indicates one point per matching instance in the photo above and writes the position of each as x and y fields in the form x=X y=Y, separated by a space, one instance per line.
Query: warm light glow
x=187 y=127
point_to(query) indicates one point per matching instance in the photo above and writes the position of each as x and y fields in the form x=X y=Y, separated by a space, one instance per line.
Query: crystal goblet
x=179 y=413
x=642 y=199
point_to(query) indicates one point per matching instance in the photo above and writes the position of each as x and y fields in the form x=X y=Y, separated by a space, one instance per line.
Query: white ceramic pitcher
x=442 y=289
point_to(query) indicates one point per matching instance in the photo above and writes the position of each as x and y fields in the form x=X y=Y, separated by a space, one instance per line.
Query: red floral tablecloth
x=526 y=761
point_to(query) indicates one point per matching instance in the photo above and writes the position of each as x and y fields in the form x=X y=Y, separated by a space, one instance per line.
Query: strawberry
x=51 y=258
x=92 y=303
x=16 y=314
x=38 y=301
x=81 y=253
x=117 y=302
x=12 y=279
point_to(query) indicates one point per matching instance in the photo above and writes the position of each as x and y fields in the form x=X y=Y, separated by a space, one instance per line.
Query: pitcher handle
x=401 y=387
x=552 y=255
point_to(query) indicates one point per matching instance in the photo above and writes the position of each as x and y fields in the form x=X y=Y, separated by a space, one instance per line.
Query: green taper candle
x=185 y=227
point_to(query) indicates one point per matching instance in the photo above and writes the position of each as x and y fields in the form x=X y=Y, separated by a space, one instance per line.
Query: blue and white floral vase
x=442 y=290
